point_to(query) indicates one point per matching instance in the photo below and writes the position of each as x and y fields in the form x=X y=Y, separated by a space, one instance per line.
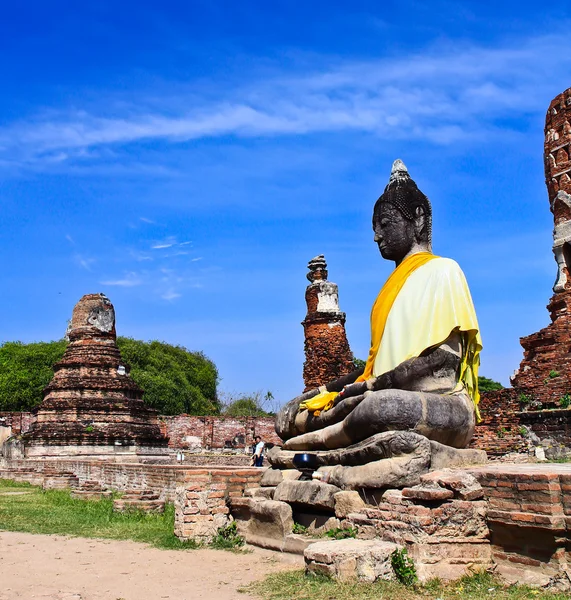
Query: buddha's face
x=394 y=234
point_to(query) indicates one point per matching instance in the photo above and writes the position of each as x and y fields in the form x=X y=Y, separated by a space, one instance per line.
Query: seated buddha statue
x=422 y=370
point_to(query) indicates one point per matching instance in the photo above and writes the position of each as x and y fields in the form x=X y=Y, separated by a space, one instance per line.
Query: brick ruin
x=327 y=352
x=543 y=375
x=211 y=434
x=92 y=406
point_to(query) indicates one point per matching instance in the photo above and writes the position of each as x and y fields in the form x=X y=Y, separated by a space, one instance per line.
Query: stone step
x=151 y=506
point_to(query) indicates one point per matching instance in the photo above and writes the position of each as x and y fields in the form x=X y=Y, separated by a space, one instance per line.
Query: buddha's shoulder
x=442 y=267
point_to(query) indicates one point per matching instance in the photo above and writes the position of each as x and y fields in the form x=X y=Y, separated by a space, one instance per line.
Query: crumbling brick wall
x=499 y=431
x=545 y=371
x=187 y=431
x=207 y=433
x=19 y=421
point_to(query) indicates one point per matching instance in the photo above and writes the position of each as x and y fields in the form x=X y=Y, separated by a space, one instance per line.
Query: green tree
x=488 y=385
x=249 y=405
x=175 y=380
x=25 y=370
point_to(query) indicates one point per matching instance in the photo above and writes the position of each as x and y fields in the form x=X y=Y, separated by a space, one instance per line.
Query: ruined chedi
x=327 y=352
x=545 y=371
x=92 y=407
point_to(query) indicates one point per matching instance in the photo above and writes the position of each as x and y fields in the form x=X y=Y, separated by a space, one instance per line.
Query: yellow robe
x=424 y=300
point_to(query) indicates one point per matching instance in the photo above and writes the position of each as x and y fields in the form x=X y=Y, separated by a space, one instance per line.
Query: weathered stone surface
x=367 y=560
x=442 y=456
x=327 y=352
x=266 y=493
x=309 y=493
x=269 y=524
x=428 y=492
x=388 y=444
x=449 y=560
x=92 y=402
x=410 y=458
x=273 y=477
x=463 y=485
x=403 y=520
x=142 y=500
x=347 y=502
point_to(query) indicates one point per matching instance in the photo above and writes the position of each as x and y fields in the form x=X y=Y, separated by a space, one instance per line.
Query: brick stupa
x=545 y=372
x=92 y=407
x=327 y=352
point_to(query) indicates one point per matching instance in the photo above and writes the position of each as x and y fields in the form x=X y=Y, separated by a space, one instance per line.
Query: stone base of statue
x=396 y=486
x=392 y=459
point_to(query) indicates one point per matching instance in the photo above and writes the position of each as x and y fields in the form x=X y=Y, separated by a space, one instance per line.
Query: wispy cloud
x=83 y=262
x=130 y=280
x=167 y=243
x=441 y=95
x=170 y=295
x=145 y=220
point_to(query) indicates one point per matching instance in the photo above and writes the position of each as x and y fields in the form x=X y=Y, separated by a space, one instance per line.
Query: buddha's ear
x=419 y=222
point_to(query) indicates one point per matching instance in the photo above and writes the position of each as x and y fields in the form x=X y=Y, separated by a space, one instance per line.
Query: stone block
x=450 y=560
x=269 y=524
x=309 y=493
x=442 y=457
x=462 y=484
x=347 y=502
x=266 y=493
x=366 y=560
x=428 y=492
x=273 y=477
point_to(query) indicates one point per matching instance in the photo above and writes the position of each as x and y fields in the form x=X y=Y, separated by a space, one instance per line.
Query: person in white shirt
x=258 y=456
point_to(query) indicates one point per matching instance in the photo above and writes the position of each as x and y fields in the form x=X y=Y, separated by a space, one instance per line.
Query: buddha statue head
x=402 y=217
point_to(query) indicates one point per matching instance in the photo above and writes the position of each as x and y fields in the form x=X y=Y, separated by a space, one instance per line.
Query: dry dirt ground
x=50 y=567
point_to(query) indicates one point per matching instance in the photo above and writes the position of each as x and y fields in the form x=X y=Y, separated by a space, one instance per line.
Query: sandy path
x=60 y=568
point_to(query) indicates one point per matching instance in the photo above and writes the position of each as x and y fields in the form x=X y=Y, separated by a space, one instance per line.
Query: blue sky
x=189 y=158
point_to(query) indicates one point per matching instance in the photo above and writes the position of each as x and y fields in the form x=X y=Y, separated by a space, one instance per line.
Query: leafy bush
x=175 y=380
x=299 y=528
x=341 y=533
x=25 y=370
x=553 y=374
x=248 y=405
x=488 y=385
x=403 y=566
x=565 y=401
x=227 y=537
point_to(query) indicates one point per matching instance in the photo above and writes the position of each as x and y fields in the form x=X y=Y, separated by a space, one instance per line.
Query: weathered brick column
x=327 y=352
x=201 y=504
x=545 y=371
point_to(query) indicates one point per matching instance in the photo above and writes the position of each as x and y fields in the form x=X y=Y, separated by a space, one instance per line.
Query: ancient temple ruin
x=544 y=374
x=327 y=352
x=92 y=407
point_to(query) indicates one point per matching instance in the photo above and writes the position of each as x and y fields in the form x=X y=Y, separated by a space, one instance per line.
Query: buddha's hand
x=353 y=389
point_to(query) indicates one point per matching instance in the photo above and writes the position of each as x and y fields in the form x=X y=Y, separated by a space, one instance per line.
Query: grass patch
x=55 y=512
x=295 y=584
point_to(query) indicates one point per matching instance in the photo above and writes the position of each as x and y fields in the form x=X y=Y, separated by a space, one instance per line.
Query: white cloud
x=167 y=243
x=441 y=95
x=145 y=220
x=170 y=295
x=83 y=262
x=130 y=280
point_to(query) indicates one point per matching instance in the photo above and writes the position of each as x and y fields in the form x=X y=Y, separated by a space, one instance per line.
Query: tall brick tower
x=92 y=407
x=545 y=372
x=327 y=352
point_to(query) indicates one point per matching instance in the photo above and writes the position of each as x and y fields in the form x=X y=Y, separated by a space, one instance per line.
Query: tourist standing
x=258 y=456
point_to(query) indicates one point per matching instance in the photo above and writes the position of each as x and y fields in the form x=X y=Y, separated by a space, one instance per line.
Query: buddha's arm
x=339 y=384
x=442 y=361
